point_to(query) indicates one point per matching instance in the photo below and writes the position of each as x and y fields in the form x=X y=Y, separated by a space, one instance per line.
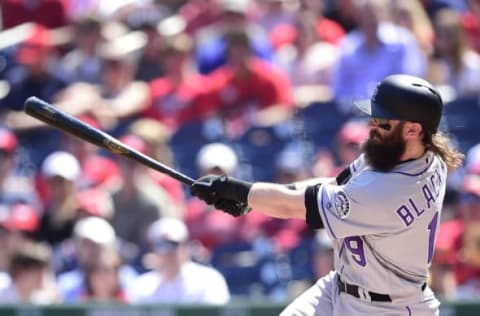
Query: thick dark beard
x=383 y=154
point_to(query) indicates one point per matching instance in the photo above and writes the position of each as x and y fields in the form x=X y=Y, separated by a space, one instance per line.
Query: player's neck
x=413 y=150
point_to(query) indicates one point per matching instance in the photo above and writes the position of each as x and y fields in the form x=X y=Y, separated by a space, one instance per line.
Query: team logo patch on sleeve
x=342 y=204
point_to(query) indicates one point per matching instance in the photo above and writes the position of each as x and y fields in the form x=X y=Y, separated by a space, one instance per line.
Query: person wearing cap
x=208 y=228
x=175 y=278
x=18 y=223
x=32 y=276
x=60 y=172
x=348 y=142
x=92 y=236
x=381 y=212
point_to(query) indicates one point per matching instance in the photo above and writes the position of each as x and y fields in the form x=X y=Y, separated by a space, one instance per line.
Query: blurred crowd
x=260 y=89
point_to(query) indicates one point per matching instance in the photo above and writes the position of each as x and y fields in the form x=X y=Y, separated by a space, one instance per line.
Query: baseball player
x=382 y=212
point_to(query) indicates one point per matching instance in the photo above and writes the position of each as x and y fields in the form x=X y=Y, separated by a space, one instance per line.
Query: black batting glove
x=233 y=208
x=212 y=188
x=203 y=188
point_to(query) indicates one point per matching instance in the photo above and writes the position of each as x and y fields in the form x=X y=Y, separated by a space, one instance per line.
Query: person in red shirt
x=246 y=85
x=50 y=13
x=471 y=24
x=181 y=96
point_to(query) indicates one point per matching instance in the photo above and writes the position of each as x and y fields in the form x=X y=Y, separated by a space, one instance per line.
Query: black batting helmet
x=406 y=98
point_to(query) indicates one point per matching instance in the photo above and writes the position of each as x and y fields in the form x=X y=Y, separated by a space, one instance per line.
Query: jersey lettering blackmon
x=415 y=207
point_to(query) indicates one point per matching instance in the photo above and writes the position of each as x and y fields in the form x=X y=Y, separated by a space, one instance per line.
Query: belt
x=354 y=290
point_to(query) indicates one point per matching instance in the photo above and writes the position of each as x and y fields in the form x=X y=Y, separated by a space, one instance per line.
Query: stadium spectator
x=22 y=222
x=175 y=278
x=32 y=276
x=324 y=163
x=456 y=269
x=411 y=15
x=206 y=226
x=343 y=13
x=247 y=86
x=83 y=60
x=93 y=238
x=348 y=142
x=15 y=184
x=181 y=96
x=376 y=49
x=138 y=193
x=102 y=279
x=60 y=170
x=158 y=137
x=433 y=6
x=97 y=169
x=17 y=222
x=199 y=14
x=454 y=64
x=110 y=101
x=273 y=13
x=471 y=24
x=309 y=75
x=328 y=30
x=149 y=65
x=36 y=75
x=323 y=257
x=211 y=45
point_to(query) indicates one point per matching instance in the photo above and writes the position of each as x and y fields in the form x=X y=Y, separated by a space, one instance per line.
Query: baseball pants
x=323 y=299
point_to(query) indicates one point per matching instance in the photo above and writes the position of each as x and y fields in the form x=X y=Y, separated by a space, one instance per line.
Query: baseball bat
x=55 y=117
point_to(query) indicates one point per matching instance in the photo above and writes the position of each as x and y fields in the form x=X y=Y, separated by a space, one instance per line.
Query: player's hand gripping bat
x=53 y=116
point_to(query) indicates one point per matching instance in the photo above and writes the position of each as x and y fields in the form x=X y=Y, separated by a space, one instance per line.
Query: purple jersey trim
x=353 y=167
x=325 y=215
x=409 y=311
x=415 y=174
x=341 y=250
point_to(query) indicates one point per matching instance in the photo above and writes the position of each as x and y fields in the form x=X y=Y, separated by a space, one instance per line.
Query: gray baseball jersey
x=384 y=224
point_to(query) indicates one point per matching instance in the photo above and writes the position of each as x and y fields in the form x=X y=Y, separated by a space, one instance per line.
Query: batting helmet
x=405 y=98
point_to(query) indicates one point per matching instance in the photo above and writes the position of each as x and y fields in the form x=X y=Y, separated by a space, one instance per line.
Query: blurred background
x=258 y=89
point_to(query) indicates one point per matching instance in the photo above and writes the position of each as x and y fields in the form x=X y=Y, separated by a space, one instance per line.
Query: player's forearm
x=276 y=200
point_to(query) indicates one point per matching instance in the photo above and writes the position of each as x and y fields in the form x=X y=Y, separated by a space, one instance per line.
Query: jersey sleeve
x=344 y=176
x=364 y=205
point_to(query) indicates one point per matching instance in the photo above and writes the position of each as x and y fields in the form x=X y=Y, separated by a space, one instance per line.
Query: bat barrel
x=53 y=116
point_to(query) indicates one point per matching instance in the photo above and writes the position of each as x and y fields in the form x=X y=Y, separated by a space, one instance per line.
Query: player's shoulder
x=406 y=172
x=429 y=162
